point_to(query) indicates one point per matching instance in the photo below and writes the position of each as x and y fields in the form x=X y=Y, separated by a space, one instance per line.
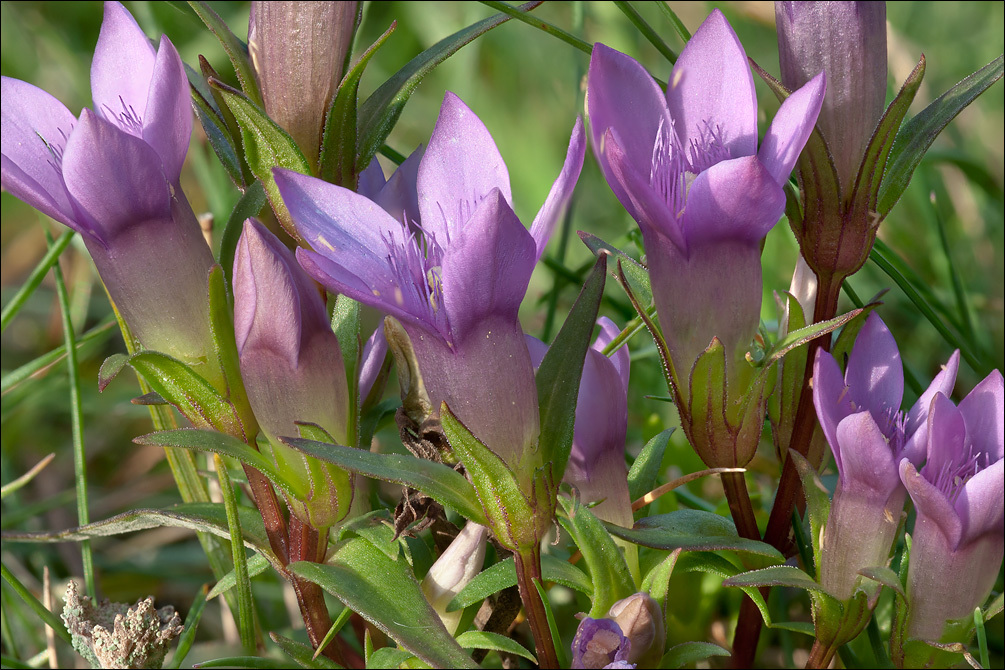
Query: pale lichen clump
x=115 y=635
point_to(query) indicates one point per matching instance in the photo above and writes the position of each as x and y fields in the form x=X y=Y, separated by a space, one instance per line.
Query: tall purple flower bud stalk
x=686 y=166
x=870 y=439
x=959 y=533
x=292 y=369
x=112 y=175
x=299 y=51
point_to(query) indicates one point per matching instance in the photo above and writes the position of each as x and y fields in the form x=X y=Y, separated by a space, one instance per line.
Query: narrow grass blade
x=191 y=625
x=245 y=607
x=647 y=30
x=31 y=601
x=11 y=309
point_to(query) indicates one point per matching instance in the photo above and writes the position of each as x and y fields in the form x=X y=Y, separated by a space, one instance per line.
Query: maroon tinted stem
x=528 y=569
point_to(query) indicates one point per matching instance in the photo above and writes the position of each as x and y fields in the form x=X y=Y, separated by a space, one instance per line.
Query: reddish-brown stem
x=789 y=486
x=748 y=626
x=272 y=516
x=305 y=545
x=821 y=655
x=528 y=569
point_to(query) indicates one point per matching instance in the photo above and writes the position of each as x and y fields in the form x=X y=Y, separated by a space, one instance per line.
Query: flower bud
x=847 y=40
x=299 y=51
x=292 y=367
x=599 y=643
x=641 y=621
x=453 y=570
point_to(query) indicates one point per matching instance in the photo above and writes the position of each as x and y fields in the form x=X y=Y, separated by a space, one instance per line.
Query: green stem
x=56 y=248
x=528 y=568
x=245 y=605
x=307 y=544
x=76 y=422
x=531 y=20
x=820 y=655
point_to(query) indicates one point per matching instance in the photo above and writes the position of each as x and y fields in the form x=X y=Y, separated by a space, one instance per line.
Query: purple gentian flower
x=299 y=50
x=686 y=166
x=113 y=176
x=292 y=367
x=599 y=643
x=596 y=464
x=454 y=278
x=869 y=436
x=959 y=535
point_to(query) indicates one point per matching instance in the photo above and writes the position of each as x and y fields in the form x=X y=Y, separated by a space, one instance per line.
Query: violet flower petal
x=711 y=89
x=371 y=180
x=982 y=411
x=620 y=358
x=916 y=421
x=980 y=503
x=460 y=167
x=114 y=178
x=832 y=400
x=31 y=119
x=167 y=123
x=932 y=503
x=791 y=127
x=122 y=68
x=398 y=196
x=372 y=357
x=645 y=205
x=734 y=200
x=623 y=96
x=487 y=267
x=874 y=373
x=558 y=197
x=866 y=459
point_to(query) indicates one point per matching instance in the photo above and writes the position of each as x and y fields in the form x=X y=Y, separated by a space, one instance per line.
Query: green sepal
x=513 y=517
x=221 y=322
x=337 y=163
x=440 y=482
x=110 y=368
x=785 y=399
x=190 y=393
x=227 y=118
x=385 y=593
x=266 y=146
x=346 y=326
x=635 y=273
x=381 y=110
x=818 y=503
x=331 y=488
x=561 y=370
x=917 y=134
x=646 y=468
x=692 y=530
x=250 y=205
x=216 y=130
x=865 y=198
x=612 y=580
x=220 y=443
x=657 y=584
x=236 y=49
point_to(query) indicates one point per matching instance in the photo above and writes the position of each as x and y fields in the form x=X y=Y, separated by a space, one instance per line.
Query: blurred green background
x=527 y=87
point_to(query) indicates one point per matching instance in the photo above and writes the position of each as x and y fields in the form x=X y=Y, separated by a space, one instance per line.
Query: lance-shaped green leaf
x=502 y=575
x=385 y=593
x=338 y=142
x=646 y=468
x=302 y=653
x=692 y=530
x=440 y=482
x=509 y=513
x=687 y=653
x=381 y=110
x=219 y=137
x=918 y=133
x=266 y=146
x=798 y=338
x=714 y=564
x=612 y=580
x=191 y=394
x=634 y=272
x=657 y=583
x=477 y=639
x=237 y=50
x=206 y=517
x=221 y=324
x=215 y=98
x=257 y=564
x=559 y=374
x=220 y=443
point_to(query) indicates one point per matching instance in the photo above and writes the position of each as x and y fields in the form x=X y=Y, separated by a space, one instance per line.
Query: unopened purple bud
x=299 y=52
x=598 y=644
x=847 y=40
x=641 y=621
x=291 y=365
